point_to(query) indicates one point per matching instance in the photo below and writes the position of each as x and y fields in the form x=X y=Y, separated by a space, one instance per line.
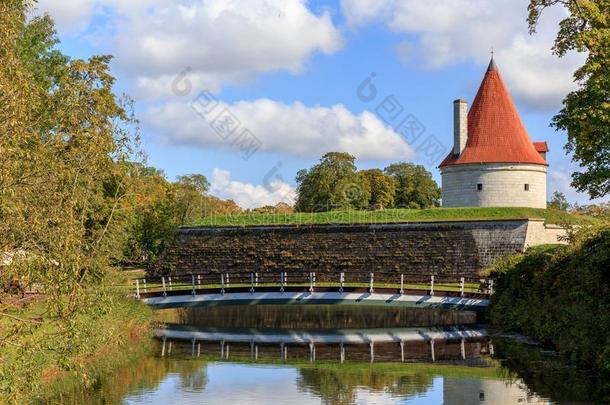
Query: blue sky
x=289 y=72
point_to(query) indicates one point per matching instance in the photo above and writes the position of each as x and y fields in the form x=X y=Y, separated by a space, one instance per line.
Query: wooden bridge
x=254 y=288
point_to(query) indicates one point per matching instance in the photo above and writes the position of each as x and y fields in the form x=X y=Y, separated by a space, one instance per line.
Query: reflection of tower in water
x=496 y=392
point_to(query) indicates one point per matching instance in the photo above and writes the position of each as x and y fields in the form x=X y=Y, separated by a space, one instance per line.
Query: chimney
x=460 y=126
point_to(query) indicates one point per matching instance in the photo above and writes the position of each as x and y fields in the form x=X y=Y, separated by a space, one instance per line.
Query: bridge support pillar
x=402 y=351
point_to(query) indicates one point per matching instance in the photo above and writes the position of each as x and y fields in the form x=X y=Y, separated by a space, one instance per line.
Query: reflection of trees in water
x=321 y=316
x=550 y=375
x=338 y=386
x=146 y=374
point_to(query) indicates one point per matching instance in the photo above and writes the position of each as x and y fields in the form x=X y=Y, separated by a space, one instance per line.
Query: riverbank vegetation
x=76 y=201
x=551 y=216
x=560 y=295
x=42 y=359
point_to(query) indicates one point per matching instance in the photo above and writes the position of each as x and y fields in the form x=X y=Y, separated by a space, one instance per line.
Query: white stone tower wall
x=503 y=185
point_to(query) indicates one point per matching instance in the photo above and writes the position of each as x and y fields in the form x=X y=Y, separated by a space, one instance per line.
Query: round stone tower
x=493 y=162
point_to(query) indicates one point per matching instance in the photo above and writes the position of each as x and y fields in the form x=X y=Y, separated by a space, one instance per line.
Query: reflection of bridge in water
x=385 y=345
x=251 y=288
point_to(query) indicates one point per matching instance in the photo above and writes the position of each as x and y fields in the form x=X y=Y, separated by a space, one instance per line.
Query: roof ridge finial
x=492 y=63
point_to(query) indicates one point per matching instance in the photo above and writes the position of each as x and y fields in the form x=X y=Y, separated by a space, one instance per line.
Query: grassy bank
x=38 y=364
x=560 y=295
x=395 y=216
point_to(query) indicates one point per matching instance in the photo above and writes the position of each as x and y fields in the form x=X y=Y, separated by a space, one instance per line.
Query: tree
x=65 y=138
x=382 y=186
x=189 y=194
x=559 y=202
x=332 y=184
x=415 y=187
x=586 y=111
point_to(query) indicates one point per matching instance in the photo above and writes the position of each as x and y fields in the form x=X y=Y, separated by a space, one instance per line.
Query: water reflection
x=386 y=345
x=321 y=317
x=338 y=356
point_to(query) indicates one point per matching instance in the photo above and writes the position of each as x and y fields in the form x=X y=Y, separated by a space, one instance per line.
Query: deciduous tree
x=415 y=187
x=586 y=111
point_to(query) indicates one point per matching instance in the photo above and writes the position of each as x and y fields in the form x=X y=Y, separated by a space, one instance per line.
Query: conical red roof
x=495 y=131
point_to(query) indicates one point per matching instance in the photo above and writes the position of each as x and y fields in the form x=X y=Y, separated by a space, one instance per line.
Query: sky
x=248 y=92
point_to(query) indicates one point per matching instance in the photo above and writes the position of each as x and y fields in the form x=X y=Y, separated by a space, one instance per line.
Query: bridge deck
x=193 y=290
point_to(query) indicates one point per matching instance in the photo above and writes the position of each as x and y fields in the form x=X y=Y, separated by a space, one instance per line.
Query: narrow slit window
x=479 y=187
x=526 y=187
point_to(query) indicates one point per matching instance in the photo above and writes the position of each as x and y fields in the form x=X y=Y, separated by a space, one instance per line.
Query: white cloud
x=289 y=128
x=70 y=16
x=445 y=32
x=222 y=41
x=248 y=195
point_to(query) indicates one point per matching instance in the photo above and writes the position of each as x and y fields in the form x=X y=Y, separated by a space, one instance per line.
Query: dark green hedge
x=560 y=295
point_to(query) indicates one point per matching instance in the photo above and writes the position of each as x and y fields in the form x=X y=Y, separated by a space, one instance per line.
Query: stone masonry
x=433 y=248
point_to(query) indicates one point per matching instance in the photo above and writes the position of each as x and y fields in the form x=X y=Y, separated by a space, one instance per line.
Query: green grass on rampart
x=550 y=216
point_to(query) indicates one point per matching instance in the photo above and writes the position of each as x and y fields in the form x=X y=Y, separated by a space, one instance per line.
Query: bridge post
x=256 y=279
x=463 y=349
x=198 y=279
x=342 y=352
x=228 y=280
x=163 y=347
x=432 y=285
x=341 y=282
x=491 y=286
x=169 y=279
x=164 y=288
x=137 y=288
x=432 y=350
x=310 y=282
x=222 y=349
x=461 y=286
x=194 y=292
x=144 y=282
x=371 y=280
x=222 y=283
x=193 y=347
x=372 y=346
x=402 y=351
x=282 y=281
x=402 y=284
x=312 y=352
x=251 y=283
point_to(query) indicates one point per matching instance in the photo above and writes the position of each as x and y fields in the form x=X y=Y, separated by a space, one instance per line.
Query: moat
x=339 y=355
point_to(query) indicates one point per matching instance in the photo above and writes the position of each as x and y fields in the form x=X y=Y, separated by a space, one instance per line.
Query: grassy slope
x=395 y=216
x=115 y=337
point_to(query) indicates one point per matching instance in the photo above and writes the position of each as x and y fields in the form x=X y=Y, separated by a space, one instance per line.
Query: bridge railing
x=213 y=282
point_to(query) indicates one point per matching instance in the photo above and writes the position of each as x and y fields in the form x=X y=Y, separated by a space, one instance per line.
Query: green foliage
x=586 y=111
x=332 y=184
x=335 y=184
x=561 y=296
x=382 y=186
x=415 y=187
x=558 y=202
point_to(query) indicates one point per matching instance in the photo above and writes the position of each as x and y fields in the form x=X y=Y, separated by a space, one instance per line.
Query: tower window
x=479 y=187
x=526 y=187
